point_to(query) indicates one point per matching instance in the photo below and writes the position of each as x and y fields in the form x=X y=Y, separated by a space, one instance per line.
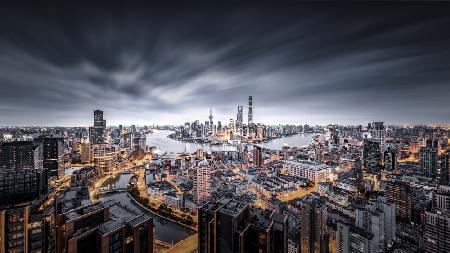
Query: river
x=163 y=144
x=165 y=230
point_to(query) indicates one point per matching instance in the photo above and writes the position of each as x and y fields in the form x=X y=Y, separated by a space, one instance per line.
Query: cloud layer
x=302 y=63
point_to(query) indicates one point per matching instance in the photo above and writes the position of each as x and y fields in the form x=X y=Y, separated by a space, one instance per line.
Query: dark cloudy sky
x=302 y=63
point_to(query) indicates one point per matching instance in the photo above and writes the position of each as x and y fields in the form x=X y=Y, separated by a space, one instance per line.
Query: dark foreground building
x=103 y=227
x=232 y=226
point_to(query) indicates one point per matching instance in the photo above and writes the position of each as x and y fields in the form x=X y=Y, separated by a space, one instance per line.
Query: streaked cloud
x=302 y=63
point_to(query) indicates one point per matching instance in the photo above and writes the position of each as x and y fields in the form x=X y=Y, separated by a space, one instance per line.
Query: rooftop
x=307 y=164
x=233 y=207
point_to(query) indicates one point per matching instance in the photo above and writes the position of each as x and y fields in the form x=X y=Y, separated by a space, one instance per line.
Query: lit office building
x=371 y=161
x=429 y=161
x=378 y=133
x=97 y=132
x=21 y=155
x=53 y=150
x=312 y=229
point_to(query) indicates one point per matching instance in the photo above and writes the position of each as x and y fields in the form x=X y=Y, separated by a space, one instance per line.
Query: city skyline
x=296 y=127
x=306 y=64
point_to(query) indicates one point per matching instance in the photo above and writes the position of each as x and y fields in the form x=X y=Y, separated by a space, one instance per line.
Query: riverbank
x=153 y=211
x=187 y=245
x=200 y=142
x=139 y=194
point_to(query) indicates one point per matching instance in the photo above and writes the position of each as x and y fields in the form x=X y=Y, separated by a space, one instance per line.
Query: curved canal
x=165 y=230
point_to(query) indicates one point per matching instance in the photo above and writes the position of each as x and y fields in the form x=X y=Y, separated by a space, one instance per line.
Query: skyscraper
x=437 y=222
x=378 y=133
x=429 y=160
x=371 y=162
x=390 y=159
x=350 y=238
x=250 y=110
x=96 y=133
x=53 y=150
x=22 y=182
x=313 y=219
x=257 y=155
x=399 y=193
x=437 y=231
x=239 y=119
x=202 y=183
x=443 y=173
x=98 y=118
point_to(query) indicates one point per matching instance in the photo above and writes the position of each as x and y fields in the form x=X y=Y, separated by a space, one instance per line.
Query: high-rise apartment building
x=104 y=158
x=443 y=171
x=429 y=161
x=312 y=229
x=21 y=155
x=437 y=231
x=399 y=193
x=437 y=222
x=202 y=183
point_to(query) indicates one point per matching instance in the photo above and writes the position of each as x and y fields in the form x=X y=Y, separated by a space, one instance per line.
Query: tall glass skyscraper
x=250 y=110
x=96 y=132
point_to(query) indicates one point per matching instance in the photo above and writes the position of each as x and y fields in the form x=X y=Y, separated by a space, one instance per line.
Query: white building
x=202 y=183
x=104 y=157
x=312 y=171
